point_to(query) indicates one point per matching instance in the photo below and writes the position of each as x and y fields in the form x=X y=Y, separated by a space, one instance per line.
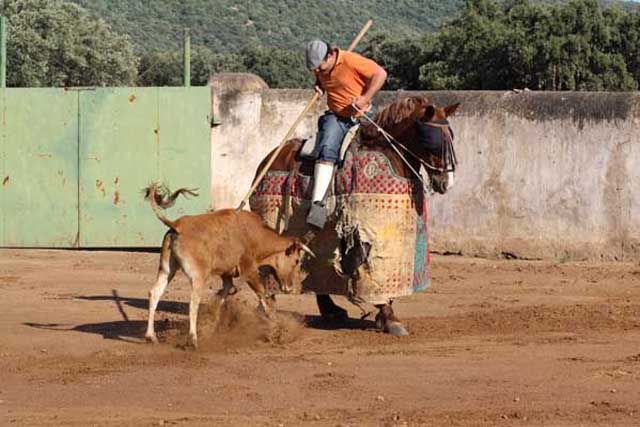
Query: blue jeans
x=331 y=131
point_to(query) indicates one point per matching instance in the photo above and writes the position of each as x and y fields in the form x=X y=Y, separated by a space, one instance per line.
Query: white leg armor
x=322 y=176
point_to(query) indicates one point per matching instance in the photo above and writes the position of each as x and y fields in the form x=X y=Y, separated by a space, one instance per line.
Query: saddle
x=309 y=149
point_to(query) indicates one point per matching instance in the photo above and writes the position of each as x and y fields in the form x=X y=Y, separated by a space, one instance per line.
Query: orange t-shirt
x=347 y=80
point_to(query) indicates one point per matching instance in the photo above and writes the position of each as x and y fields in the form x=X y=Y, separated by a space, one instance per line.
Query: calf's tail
x=160 y=197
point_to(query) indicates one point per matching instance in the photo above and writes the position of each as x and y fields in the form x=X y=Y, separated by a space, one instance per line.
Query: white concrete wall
x=541 y=175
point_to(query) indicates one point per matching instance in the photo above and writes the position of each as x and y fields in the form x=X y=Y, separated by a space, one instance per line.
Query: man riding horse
x=375 y=247
x=350 y=81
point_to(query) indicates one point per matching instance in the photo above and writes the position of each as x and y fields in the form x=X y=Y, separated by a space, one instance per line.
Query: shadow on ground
x=173 y=307
x=124 y=330
x=133 y=330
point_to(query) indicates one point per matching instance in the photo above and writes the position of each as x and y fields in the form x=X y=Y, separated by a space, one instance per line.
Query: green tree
x=585 y=55
x=166 y=68
x=400 y=56
x=280 y=68
x=469 y=51
x=56 y=43
x=502 y=45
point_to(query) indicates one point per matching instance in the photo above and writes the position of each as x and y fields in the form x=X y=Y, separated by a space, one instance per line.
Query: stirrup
x=317 y=215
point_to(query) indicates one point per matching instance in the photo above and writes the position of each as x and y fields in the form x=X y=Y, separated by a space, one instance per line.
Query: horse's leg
x=329 y=310
x=387 y=321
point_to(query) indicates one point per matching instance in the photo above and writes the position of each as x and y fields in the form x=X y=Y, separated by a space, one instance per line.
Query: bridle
x=448 y=152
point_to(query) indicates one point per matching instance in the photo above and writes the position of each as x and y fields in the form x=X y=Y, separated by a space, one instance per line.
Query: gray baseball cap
x=315 y=53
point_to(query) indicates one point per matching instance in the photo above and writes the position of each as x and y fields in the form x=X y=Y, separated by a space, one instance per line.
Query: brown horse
x=410 y=133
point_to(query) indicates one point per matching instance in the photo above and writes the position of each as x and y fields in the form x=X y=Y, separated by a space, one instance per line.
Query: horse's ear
x=429 y=112
x=450 y=109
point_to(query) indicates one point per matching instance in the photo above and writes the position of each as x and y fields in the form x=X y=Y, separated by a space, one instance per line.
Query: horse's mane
x=411 y=107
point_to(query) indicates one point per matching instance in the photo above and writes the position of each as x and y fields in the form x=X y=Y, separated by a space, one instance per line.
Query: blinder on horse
x=437 y=138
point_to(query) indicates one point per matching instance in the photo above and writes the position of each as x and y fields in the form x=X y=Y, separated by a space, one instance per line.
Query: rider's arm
x=318 y=87
x=375 y=84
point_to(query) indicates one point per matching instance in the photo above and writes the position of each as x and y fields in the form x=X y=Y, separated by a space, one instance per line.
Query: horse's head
x=422 y=130
x=434 y=145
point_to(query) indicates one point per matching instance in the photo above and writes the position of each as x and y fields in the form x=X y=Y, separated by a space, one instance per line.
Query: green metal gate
x=39 y=172
x=73 y=163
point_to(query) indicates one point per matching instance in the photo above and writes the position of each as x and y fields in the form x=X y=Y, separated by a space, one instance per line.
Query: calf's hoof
x=267 y=309
x=192 y=343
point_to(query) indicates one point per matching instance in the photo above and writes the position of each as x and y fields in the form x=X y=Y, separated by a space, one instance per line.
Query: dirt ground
x=495 y=343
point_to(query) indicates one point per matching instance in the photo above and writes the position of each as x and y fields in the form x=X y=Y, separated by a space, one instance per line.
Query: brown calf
x=225 y=243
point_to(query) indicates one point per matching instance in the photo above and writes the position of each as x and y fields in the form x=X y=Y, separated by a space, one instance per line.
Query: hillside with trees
x=424 y=44
x=231 y=25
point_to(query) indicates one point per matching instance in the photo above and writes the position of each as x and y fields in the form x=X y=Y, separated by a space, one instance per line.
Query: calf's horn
x=307 y=250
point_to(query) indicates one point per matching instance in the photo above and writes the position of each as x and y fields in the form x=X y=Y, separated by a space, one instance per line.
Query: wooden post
x=187 y=58
x=3 y=52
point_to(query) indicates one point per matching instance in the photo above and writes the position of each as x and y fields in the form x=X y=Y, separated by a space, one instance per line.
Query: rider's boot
x=322 y=177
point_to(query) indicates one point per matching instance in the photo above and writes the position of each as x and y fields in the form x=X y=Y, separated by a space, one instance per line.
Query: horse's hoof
x=380 y=322
x=396 y=329
x=336 y=315
x=387 y=322
x=151 y=339
x=329 y=311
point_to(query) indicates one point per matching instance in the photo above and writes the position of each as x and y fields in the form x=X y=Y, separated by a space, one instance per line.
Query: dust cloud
x=235 y=324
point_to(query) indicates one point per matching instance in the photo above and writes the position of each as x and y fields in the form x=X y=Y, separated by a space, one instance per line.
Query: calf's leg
x=166 y=271
x=266 y=304
x=227 y=289
x=197 y=284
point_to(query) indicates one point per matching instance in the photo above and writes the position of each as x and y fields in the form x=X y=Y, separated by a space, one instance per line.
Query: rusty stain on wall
x=116 y=194
x=100 y=187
